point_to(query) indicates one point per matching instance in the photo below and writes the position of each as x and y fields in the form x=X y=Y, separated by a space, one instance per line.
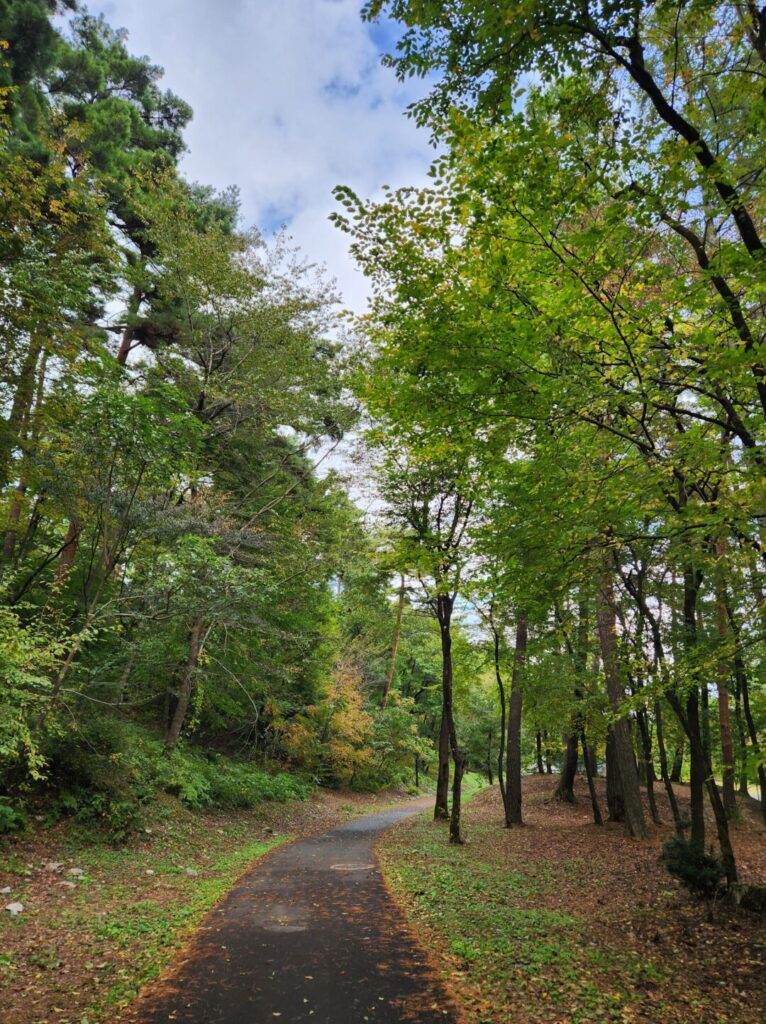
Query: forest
x=556 y=398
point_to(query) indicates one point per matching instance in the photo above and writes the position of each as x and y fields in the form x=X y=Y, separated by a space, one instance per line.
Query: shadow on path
x=310 y=934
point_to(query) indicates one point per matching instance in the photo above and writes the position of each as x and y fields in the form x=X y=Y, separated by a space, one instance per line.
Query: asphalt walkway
x=311 y=935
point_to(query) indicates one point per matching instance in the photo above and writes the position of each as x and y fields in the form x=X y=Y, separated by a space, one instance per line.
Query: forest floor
x=562 y=922
x=99 y=921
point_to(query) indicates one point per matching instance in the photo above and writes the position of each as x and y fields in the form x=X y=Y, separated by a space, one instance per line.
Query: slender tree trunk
x=597 y=818
x=744 y=689
x=501 y=698
x=548 y=764
x=743 y=781
x=664 y=767
x=724 y=715
x=513 y=749
x=455 y=835
x=186 y=687
x=444 y=606
x=490 y=777
x=692 y=582
x=678 y=763
x=648 y=762
x=539 y=750
x=606 y=618
x=441 y=807
x=394 y=645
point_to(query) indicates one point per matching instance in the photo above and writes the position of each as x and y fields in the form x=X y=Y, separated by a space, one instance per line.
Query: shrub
x=12 y=819
x=698 y=870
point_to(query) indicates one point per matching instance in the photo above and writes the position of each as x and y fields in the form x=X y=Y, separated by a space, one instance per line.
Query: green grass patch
x=498 y=935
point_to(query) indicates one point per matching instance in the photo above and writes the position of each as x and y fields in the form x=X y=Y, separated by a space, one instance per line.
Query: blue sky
x=289 y=99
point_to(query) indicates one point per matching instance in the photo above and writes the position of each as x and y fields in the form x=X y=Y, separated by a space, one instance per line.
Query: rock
x=192 y=873
x=14 y=909
x=76 y=872
x=149 y=871
x=750 y=897
x=53 y=865
x=6 y=890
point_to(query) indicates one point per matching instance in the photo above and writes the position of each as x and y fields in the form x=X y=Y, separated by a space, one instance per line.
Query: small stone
x=149 y=871
x=14 y=909
x=5 y=890
x=53 y=865
x=192 y=873
x=76 y=872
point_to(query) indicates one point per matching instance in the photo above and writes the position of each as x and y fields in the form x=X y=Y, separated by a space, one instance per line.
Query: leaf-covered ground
x=85 y=943
x=560 y=922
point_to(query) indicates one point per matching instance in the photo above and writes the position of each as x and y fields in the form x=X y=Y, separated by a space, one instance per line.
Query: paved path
x=310 y=934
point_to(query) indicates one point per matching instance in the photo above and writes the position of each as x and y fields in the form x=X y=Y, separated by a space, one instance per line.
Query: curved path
x=310 y=934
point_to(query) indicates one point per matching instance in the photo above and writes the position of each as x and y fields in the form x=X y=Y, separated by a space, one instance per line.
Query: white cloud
x=289 y=100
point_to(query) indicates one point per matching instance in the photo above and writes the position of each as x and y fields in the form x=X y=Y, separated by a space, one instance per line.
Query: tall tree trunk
x=441 y=806
x=615 y=805
x=664 y=767
x=692 y=582
x=564 y=790
x=394 y=645
x=744 y=689
x=548 y=764
x=513 y=749
x=724 y=715
x=648 y=763
x=186 y=687
x=444 y=606
x=539 y=749
x=501 y=698
x=606 y=618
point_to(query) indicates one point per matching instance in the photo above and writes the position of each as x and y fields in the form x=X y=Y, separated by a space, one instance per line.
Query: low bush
x=108 y=774
x=12 y=818
x=698 y=870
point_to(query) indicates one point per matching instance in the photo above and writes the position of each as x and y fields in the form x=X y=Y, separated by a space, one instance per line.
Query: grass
x=498 y=935
x=145 y=935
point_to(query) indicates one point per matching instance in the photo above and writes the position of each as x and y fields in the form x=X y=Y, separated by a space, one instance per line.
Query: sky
x=290 y=99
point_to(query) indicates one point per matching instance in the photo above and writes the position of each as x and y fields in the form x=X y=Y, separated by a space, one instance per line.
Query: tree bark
x=664 y=767
x=597 y=818
x=513 y=749
x=394 y=645
x=501 y=698
x=564 y=790
x=606 y=619
x=444 y=606
x=678 y=764
x=724 y=714
x=615 y=805
x=441 y=807
x=187 y=685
